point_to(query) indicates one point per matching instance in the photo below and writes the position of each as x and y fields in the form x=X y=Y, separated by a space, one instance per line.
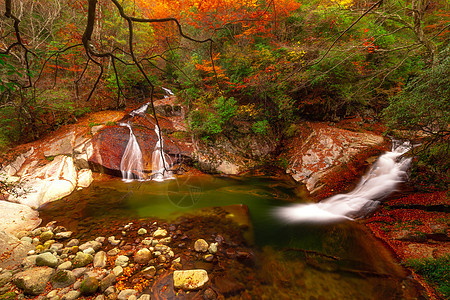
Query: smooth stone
x=89 y=286
x=113 y=252
x=142 y=256
x=67 y=265
x=62 y=279
x=29 y=261
x=46 y=259
x=118 y=271
x=100 y=259
x=149 y=272
x=123 y=295
x=100 y=239
x=160 y=233
x=107 y=282
x=91 y=244
x=33 y=281
x=27 y=239
x=213 y=248
x=52 y=294
x=201 y=245
x=110 y=290
x=82 y=259
x=112 y=240
x=45 y=236
x=100 y=297
x=121 y=261
x=72 y=295
x=142 y=231
x=73 y=242
x=89 y=250
x=190 y=279
x=145 y=297
x=77 y=284
x=79 y=271
x=63 y=235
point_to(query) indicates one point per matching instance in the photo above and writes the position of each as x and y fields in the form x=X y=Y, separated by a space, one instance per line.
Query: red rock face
x=110 y=143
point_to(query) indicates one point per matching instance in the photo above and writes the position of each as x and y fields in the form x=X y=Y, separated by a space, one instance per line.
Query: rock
x=56 y=247
x=52 y=294
x=112 y=240
x=149 y=273
x=209 y=294
x=67 y=265
x=121 y=261
x=5 y=278
x=72 y=295
x=15 y=166
x=33 y=281
x=91 y=244
x=29 y=262
x=73 y=242
x=118 y=271
x=100 y=259
x=89 y=250
x=45 y=236
x=63 y=235
x=201 y=245
x=107 y=282
x=213 y=248
x=85 y=178
x=89 y=286
x=63 y=278
x=145 y=297
x=82 y=259
x=113 y=252
x=123 y=295
x=12 y=251
x=46 y=259
x=208 y=257
x=190 y=279
x=17 y=217
x=60 y=146
x=160 y=233
x=100 y=239
x=100 y=297
x=79 y=271
x=406 y=235
x=142 y=256
x=142 y=231
x=109 y=291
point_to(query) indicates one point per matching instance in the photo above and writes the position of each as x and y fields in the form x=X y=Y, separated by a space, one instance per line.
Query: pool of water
x=295 y=261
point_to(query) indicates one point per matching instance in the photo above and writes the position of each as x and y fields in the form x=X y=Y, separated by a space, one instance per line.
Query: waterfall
x=160 y=161
x=131 y=165
x=168 y=92
x=379 y=182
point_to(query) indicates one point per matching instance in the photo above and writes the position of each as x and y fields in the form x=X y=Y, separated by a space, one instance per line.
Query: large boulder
x=324 y=157
x=17 y=217
x=12 y=250
x=33 y=281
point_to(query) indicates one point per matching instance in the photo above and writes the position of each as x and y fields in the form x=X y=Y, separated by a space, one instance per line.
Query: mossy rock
x=89 y=286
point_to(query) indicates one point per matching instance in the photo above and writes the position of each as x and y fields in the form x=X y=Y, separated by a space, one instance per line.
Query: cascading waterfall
x=379 y=182
x=160 y=161
x=131 y=164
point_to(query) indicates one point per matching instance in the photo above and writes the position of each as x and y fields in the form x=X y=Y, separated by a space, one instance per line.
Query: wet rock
x=89 y=286
x=100 y=259
x=67 y=265
x=190 y=279
x=73 y=242
x=34 y=280
x=142 y=256
x=63 y=235
x=142 y=231
x=91 y=244
x=201 y=245
x=63 y=278
x=121 y=261
x=72 y=295
x=82 y=259
x=46 y=259
x=123 y=295
x=17 y=217
x=107 y=282
x=84 y=178
x=160 y=233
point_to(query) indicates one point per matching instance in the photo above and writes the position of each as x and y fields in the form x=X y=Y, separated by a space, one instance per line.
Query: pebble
x=72 y=295
x=63 y=235
x=45 y=236
x=100 y=239
x=144 y=297
x=73 y=242
x=142 y=231
x=52 y=294
x=142 y=256
x=201 y=245
x=213 y=248
x=91 y=244
x=65 y=266
x=149 y=272
x=118 y=271
x=121 y=261
x=125 y=294
x=89 y=250
x=112 y=240
x=113 y=252
x=27 y=239
x=190 y=279
x=100 y=259
x=46 y=259
x=160 y=233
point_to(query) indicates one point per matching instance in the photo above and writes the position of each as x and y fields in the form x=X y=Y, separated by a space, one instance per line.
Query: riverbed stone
x=46 y=259
x=34 y=280
x=17 y=217
x=160 y=233
x=100 y=259
x=45 y=236
x=121 y=261
x=142 y=231
x=63 y=235
x=85 y=178
x=89 y=286
x=118 y=271
x=12 y=251
x=190 y=279
x=82 y=259
x=201 y=245
x=107 y=281
x=67 y=265
x=72 y=295
x=125 y=294
x=142 y=256
x=213 y=248
x=113 y=252
x=91 y=244
x=62 y=279
x=149 y=273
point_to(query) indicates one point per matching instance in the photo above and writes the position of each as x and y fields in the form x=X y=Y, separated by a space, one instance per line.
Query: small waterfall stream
x=132 y=166
x=379 y=182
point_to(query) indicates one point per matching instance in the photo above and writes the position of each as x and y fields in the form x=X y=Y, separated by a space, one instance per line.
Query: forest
x=254 y=68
